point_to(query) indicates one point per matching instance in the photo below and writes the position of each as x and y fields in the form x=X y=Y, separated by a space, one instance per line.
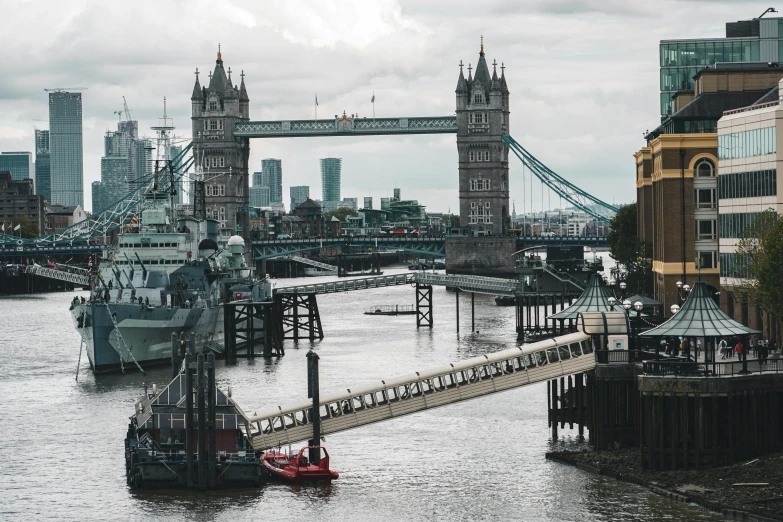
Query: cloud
x=583 y=77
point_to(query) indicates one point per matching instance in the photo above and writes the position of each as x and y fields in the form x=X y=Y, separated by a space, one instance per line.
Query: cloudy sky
x=583 y=76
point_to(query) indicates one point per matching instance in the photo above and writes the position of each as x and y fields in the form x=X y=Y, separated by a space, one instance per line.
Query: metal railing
x=470 y=283
x=751 y=108
x=391 y=309
x=622 y=356
x=348 y=285
x=712 y=369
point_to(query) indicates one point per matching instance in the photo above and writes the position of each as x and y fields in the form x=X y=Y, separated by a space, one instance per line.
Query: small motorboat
x=505 y=300
x=297 y=469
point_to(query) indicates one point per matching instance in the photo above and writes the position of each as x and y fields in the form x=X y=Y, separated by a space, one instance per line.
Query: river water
x=61 y=441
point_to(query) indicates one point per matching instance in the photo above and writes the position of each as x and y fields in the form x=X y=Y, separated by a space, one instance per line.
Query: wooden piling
x=202 y=422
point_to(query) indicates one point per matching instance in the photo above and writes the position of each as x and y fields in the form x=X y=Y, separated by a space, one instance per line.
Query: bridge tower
x=482 y=116
x=221 y=157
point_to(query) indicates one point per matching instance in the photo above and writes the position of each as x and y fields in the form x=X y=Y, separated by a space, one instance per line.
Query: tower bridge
x=222 y=129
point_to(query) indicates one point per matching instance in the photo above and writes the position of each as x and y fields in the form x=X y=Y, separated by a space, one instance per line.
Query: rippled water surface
x=61 y=441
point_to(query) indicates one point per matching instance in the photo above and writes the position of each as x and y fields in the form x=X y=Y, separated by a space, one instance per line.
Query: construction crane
x=119 y=115
x=66 y=89
x=127 y=110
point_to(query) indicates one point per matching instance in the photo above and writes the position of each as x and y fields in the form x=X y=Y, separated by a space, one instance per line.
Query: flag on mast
x=17 y=227
x=3 y=227
x=316 y=99
x=373 y=98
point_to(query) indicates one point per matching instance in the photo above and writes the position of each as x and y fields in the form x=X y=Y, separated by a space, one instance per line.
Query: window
x=486 y=155
x=705 y=229
x=479 y=184
x=478 y=98
x=480 y=213
x=213 y=105
x=704 y=198
x=744 y=144
x=752 y=184
x=704 y=169
x=705 y=260
x=733 y=225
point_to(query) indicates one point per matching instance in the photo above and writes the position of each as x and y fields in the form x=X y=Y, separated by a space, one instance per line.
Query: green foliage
x=633 y=256
x=29 y=227
x=760 y=255
x=341 y=213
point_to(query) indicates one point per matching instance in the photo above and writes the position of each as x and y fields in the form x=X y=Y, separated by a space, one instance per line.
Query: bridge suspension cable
x=561 y=186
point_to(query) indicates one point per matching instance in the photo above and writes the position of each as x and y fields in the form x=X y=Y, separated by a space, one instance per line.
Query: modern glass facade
x=115 y=169
x=66 y=150
x=259 y=196
x=331 y=169
x=746 y=144
x=19 y=164
x=299 y=194
x=758 y=40
x=272 y=177
x=43 y=180
x=733 y=225
x=140 y=162
x=753 y=184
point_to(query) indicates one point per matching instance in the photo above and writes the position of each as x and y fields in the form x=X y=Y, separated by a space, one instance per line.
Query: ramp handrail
x=390 y=398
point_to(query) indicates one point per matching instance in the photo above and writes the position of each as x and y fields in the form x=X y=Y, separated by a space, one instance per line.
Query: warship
x=164 y=275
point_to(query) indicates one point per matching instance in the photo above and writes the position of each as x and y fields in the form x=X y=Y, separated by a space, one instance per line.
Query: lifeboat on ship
x=298 y=469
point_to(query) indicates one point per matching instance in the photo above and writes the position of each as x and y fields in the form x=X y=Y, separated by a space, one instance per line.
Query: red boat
x=298 y=469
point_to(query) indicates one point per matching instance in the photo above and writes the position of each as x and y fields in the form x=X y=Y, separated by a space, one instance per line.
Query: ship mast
x=165 y=133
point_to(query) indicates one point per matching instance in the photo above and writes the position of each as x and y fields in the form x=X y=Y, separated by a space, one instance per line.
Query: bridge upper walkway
x=308 y=261
x=468 y=283
x=419 y=391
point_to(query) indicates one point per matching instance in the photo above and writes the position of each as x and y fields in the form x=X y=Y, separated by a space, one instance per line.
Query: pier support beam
x=202 y=422
x=313 y=392
x=457 y=294
x=189 y=417
x=423 y=305
x=473 y=312
x=211 y=405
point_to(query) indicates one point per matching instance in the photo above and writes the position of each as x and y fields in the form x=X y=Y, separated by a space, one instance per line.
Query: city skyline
x=539 y=65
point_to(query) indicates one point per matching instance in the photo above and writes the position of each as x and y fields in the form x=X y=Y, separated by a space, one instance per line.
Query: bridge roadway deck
x=419 y=391
x=467 y=283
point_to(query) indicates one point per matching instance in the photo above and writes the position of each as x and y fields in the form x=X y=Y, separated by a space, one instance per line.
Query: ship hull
x=144 y=333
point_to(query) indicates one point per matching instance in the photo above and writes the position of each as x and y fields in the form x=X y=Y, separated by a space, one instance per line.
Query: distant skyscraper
x=43 y=180
x=115 y=168
x=272 y=177
x=19 y=164
x=140 y=163
x=299 y=194
x=330 y=182
x=65 y=145
x=255 y=191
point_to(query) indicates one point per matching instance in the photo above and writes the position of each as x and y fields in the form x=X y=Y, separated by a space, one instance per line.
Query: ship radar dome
x=207 y=244
x=236 y=240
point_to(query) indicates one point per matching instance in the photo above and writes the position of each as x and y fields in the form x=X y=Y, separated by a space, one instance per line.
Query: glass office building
x=272 y=177
x=331 y=169
x=43 y=185
x=299 y=194
x=759 y=40
x=19 y=164
x=65 y=148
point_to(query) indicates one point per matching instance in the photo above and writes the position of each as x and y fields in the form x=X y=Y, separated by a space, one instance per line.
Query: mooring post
x=202 y=422
x=313 y=392
x=174 y=355
x=473 y=312
x=457 y=294
x=268 y=330
x=553 y=383
x=189 y=418
x=211 y=403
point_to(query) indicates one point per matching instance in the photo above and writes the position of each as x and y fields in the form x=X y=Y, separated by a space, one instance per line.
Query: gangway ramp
x=307 y=261
x=455 y=382
x=467 y=283
x=347 y=285
x=73 y=275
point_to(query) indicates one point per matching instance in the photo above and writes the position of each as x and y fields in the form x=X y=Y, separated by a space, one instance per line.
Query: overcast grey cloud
x=583 y=77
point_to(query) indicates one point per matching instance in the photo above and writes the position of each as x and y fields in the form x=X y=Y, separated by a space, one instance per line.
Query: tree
x=758 y=262
x=29 y=227
x=631 y=254
x=341 y=213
